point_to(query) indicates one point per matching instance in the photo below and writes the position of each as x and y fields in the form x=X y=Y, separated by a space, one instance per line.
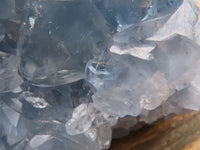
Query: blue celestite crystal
x=76 y=73
x=122 y=14
x=72 y=32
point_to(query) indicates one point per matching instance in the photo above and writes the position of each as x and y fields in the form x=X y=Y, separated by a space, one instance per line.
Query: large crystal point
x=57 y=40
x=184 y=22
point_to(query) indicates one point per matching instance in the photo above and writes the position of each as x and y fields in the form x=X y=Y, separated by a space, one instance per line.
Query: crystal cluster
x=74 y=74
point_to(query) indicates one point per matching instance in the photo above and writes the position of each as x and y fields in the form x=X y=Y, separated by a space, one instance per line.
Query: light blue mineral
x=124 y=13
x=58 y=39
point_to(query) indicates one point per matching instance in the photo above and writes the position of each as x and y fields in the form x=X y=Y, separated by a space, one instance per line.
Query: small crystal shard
x=104 y=133
x=45 y=142
x=39 y=140
x=35 y=101
x=101 y=73
x=13 y=124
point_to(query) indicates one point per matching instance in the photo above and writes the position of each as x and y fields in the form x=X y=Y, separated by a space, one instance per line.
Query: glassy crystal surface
x=13 y=124
x=65 y=34
x=102 y=72
x=33 y=112
x=95 y=124
x=182 y=22
x=75 y=74
x=9 y=77
x=140 y=84
x=45 y=142
x=122 y=14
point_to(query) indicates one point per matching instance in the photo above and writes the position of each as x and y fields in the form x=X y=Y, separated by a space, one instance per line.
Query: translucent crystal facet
x=122 y=14
x=9 y=77
x=76 y=73
x=74 y=31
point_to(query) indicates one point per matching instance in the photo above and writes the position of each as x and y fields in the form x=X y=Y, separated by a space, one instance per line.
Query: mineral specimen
x=75 y=74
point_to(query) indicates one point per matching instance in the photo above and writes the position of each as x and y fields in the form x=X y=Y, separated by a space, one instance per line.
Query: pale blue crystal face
x=137 y=86
x=101 y=73
x=123 y=13
x=9 y=77
x=70 y=69
x=65 y=34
